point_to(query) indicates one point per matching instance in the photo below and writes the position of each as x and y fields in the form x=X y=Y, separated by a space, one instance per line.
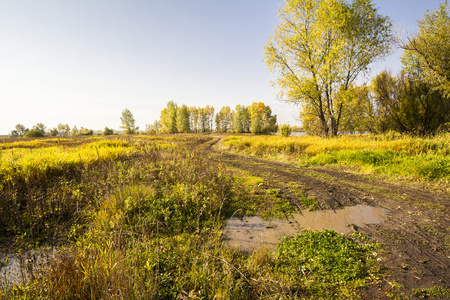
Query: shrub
x=108 y=131
x=285 y=130
x=34 y=133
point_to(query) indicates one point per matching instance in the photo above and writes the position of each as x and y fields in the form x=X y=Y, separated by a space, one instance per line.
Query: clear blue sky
x=83 y=62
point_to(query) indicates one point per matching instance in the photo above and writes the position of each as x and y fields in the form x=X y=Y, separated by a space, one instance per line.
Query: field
x=143 y=217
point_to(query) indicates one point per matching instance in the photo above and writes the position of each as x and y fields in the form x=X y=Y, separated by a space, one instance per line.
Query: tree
x=409 y=105
x=13 y=133
x=168 y=118
x=64 y=130
x=194 y=119
x=54 y=132
x=154 y=128
x=85 y=131
x=74 y=131
x=224 y=119
x=40 y=127
x=285 y=130
x=320 y=48
x=209 y=111
x=358 y=116
x=429 y=50
x=108 y=131
x=182 y=119
x=203 y=118
x=128 y=122
x=34 y=133
x=21 y=130
x=262 y=120
x=241 y=122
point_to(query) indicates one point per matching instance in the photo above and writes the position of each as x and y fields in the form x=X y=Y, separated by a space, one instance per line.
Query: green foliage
x=262 y=120
x=182 y=119
x=319 y=49
x=242 y=119
x=41 y=190
x=408 y=104
x=40 y=127
x=64 y=130
x=436 y=292
x=285 y=130
x=392 y=153
x=13 y=133
x=168 y=118
x=128 y=122
x=429 y=49
x=321 y=263
x=85 y=131
x=108 y=131
x=143 y=219
x=34 y=133
x=20 y=130
x=53 y=132
x=224 y=120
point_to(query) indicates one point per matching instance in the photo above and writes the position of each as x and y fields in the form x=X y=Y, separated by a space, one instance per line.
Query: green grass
x=394 y=155
x=148 y=224
x=435 y=292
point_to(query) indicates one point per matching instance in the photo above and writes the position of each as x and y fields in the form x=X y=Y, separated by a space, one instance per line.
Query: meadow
x=389 y=154
x=141 y=217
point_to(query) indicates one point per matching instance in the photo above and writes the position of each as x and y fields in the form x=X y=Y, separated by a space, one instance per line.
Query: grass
x=142 y=218
x=390 y=154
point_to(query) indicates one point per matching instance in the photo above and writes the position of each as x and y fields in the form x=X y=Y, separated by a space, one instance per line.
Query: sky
x=83 y=62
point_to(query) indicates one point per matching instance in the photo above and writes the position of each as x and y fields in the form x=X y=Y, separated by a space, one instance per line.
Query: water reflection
x=251 y=232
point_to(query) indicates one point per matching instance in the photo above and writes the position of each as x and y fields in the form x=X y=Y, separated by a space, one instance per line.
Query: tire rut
x=415 y=257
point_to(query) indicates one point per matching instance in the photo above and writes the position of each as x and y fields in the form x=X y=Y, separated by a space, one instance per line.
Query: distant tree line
x=256 y=118
x=40 y=130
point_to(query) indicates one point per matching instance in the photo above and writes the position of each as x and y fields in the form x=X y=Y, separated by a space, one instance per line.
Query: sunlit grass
x=32 y=163
x=144 y=219
x=392 y=154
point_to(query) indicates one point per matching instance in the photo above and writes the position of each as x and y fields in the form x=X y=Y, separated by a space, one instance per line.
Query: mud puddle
x=19 y=268
x=249 y=233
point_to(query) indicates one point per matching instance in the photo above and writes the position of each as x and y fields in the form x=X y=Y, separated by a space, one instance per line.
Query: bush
x=34 y=133
x=108 y=131
x=285 y=130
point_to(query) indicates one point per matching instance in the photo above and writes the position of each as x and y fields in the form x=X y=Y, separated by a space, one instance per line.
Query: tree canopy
x=428 y=52
x=319 y=49
x=128 y=122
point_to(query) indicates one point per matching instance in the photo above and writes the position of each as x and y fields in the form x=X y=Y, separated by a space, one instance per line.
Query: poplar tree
x=182 y=118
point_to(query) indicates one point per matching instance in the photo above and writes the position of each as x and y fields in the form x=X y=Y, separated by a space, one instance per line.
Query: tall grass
x=423 y=158
x=41 y=189
x=32 y=164
x=150 y=227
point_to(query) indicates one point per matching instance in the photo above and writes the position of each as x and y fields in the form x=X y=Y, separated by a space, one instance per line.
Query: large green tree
x=429 y=50
x=319 y=49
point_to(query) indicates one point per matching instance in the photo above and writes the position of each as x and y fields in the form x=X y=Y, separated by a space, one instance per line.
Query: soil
x=415 y=237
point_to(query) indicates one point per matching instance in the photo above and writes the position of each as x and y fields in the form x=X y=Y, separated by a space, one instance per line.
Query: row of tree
x=40 y=130
x=256 y=118
x=322 y=46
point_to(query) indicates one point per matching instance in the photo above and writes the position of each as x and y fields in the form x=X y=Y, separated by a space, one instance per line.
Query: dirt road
x=415 y=237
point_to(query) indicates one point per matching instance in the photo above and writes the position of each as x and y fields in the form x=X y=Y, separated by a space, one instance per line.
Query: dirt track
x=415 y=237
